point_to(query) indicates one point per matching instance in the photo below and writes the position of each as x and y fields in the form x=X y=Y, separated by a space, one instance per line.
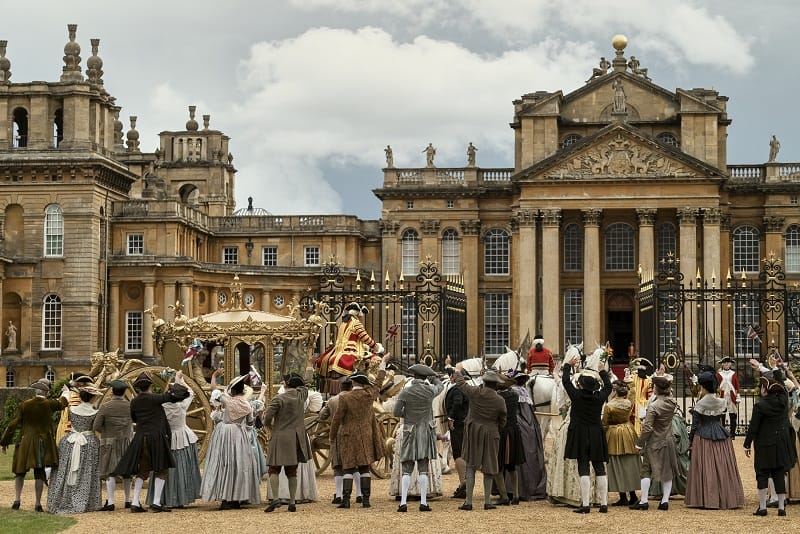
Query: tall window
x=496 y=331
x=53 y=231
x=311 y=255
x=51 y=323
x=230 y=255
x=746 y=318
x=11 y=378
x=573 y=316
x=135 y=244
x=619 y=247
x=745 y=250
x=451 y=252
x=573 y=248
x=793 y=249
x=496 y=252
x=665 y=241
x=408 y=329
x=269 y=256
x=410 y=252
x=133 y=331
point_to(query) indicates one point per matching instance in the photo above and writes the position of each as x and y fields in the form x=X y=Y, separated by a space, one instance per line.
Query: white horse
x=544 y=393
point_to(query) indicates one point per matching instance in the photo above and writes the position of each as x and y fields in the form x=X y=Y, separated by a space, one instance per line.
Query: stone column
x=169 y=301
x=113 y=316
x=551 y=276
x=712 y=266
x=525 y=273
x=773 y=236
x=687 y=219
x=213 y=304
x=647 y=218
x=147 y=320
x=592 y=308
x=266 y=300
x=195 y=302
x=470 y=230
x=186 y=298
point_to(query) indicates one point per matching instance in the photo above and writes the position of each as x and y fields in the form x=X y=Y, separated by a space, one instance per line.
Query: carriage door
x=620 y=327
x=242 y=360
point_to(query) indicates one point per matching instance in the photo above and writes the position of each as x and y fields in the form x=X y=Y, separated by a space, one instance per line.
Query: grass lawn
x=5 y=466
x=23 y=522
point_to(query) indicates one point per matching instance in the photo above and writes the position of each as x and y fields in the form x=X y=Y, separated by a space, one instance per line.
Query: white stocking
x=357 y=483
x=771 y=485
x=126 y=487
x=762 y=498
x=405 y=483
x=111 y=486
x=666 y=485
x=602 y=489
x=586 y=486
x=137 y=489
x=337 y=482
x=159 y=488
x=423 y=488
x=645 y=490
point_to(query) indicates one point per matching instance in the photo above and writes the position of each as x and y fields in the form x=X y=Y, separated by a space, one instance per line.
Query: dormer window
x=669 y=139
x=570 y=139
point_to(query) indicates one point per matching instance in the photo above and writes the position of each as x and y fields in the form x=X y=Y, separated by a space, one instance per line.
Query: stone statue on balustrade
x=774 y=148
x=619 y=97
x=604 y=66
x=430 y=152
x=11 y=337
x=389 y=157
x=633 y=64
x=471 y=150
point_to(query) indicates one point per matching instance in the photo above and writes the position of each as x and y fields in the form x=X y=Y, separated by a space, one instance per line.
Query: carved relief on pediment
x=620 y=157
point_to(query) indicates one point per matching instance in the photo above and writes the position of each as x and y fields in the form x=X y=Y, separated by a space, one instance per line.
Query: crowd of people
x=624 y=437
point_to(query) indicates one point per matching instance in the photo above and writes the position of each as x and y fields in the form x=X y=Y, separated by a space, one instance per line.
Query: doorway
x=620 y=323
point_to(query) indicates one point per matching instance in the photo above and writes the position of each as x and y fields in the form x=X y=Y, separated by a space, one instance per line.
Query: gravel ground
x=382 y=517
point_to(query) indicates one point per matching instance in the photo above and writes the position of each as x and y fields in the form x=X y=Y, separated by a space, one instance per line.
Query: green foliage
x=25 y=522
x=9 y=413
x=55 y=392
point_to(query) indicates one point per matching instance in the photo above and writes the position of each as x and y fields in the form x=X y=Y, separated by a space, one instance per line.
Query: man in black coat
x=457 y=407
x=150 y=447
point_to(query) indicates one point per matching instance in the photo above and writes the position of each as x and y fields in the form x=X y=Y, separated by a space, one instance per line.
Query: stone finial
x=191 y=124
x=133 y=136
x=206 y=121
x=118 y=127
x=94 y=65
x=71 y=71
x=5 y=64
x=619 y=42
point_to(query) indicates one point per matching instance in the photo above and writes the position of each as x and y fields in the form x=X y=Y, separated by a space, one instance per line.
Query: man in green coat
x=37 y=446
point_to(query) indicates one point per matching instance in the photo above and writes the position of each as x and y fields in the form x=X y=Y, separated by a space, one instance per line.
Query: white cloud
x=333 y=95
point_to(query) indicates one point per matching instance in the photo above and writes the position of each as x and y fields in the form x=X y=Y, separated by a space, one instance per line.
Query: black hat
x=118 y=386
x=178 y=389
x=295 y=381
x=419 y=369
x=360 y=378
x=143 y=380
x=726 y=359
x=705 y=368
x=589 y=379
x=662 y=381
x=708 y=380
x=356 y=307
x=491 y=377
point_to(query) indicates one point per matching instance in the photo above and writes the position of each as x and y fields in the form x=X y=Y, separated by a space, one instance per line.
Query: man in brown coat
x=288 y=444
x=660 y=456
x=113 y=423
x=359 y=438
x=481 y=447
x=327 y=413
x=37 y=446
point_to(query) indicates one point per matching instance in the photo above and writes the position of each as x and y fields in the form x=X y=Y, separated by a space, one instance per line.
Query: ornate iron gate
x=421 y=320
x=682 y=325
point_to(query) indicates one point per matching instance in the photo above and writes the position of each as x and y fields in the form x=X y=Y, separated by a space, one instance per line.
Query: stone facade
x=597 y=175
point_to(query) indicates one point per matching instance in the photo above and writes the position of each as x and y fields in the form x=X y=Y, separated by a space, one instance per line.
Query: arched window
x=665 y=241
x=496 y=252
x=669 y=138
x=451 y=252
x=793 y=249
x=570 y=139
x=619 y=247
x=410 y=252
x=53 y=231
x=51 y=323
x=50 y=374
x=11 y=378
x=20 y=128
x=745 y=249
x=573 y=248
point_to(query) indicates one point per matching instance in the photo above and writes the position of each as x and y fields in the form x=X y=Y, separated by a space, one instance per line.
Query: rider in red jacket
x=540 y=359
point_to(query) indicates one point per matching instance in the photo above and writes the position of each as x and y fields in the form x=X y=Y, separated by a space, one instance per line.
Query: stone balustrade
x=444 y=176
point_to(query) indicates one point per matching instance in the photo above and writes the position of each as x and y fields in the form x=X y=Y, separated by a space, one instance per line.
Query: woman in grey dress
x=75 y=483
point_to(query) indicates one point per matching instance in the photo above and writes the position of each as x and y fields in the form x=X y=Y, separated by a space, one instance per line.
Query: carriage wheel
x=319 y=436
x=382 y=467
x=198 y=416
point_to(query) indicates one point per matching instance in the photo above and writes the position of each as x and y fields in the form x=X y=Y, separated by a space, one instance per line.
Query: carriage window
x=495 y=323
x=573 y=316
x=451 y=252
x=496 y=252
x=793 y=249
x=666 y=241
x=573 y=248
x=133 y=331
x=745 y=250
x=619 y=247
x=51 y=323
x=410 y=252
x=669 y=139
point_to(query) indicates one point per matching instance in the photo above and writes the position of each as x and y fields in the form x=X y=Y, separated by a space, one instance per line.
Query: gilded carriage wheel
x=319 y=435
x=382 y=467
x=198 y=416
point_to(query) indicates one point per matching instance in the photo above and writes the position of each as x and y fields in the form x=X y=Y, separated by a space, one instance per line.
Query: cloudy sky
x=311 y=91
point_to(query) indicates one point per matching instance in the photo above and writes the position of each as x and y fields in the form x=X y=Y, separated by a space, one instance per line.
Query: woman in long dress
x=532 y=476
x=232 y=473
x=75 y=483
x=714 y=480
x=183 y=483
x=624 y=461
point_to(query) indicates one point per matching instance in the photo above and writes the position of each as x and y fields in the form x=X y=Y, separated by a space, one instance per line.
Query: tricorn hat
x=705 y=368
x=726 y=359
x=589 y=379
x=360 y=378
x=641 y=363
x=355 y=306
x=42 y=384
x=491 y=377
x=143 y=380
x=419 y=369
x=118 y=385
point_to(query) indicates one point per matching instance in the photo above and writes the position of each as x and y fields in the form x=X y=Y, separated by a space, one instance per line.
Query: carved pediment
x=618 y=157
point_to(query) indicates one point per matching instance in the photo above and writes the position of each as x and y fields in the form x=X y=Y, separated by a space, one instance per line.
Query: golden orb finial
x=619 y=42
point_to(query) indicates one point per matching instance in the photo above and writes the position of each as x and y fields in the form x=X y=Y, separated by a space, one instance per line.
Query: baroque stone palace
x=607 y=180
